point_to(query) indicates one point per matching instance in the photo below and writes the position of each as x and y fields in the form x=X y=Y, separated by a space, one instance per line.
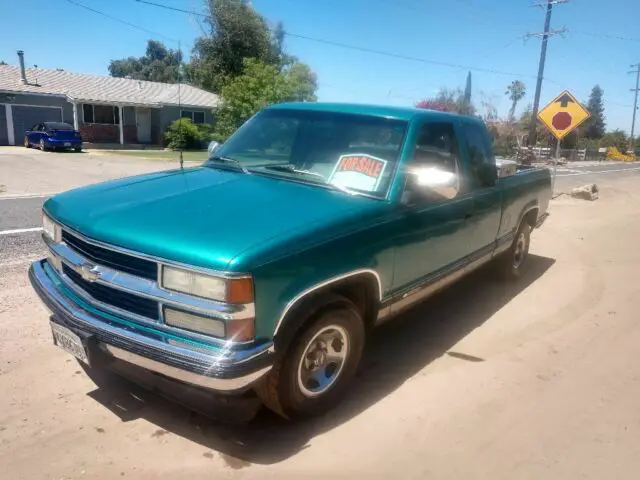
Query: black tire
x=77 y=149
x=283 y=389
x=43 y=147
x=513 y=262
x=26 y=143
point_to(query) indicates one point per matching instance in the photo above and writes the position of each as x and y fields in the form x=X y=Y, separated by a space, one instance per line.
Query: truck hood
x=203 y=216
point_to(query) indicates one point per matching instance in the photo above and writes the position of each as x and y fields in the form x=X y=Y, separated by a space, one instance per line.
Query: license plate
x=69 y=341
x=67 y=144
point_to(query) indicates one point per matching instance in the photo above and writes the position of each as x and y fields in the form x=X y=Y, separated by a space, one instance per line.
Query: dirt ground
x=486 y=381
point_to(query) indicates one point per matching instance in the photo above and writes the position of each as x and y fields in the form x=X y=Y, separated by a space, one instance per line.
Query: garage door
x=4 y=137
x=25 y=117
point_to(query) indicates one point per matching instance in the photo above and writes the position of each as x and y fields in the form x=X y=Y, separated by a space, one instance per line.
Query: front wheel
x=317 y=369
x=26 y=143
x=43 y=147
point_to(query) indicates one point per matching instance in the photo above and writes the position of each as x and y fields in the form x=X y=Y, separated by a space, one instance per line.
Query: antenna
x=180 y=107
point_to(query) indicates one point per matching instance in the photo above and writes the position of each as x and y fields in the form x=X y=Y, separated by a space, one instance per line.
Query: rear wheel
x=314 y=374
x=77 y=149
x=513 y=261
x=26 y=142
x=43 y=147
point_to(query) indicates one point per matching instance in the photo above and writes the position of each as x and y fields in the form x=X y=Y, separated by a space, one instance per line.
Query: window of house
x=196 y=116
x=107 y=114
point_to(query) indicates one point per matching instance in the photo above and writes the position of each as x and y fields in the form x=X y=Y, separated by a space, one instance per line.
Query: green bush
x=183 y=134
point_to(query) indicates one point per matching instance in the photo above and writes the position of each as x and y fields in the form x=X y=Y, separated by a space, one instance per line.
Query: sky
x=486 y=37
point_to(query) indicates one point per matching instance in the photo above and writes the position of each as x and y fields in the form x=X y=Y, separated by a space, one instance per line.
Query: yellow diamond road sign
x=563 y=114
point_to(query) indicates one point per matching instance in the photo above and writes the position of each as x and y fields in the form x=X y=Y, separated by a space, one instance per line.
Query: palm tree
x=516 y=91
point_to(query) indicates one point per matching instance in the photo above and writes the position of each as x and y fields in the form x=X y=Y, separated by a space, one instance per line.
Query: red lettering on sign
x=366 y=165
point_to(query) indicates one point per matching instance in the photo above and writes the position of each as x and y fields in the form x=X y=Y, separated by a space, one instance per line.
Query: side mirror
x=213 y=146
x=433 y=183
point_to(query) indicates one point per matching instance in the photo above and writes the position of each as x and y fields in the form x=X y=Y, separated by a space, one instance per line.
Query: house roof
x=102 y=89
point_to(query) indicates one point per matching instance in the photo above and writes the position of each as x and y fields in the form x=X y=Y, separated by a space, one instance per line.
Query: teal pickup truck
x=261 y=272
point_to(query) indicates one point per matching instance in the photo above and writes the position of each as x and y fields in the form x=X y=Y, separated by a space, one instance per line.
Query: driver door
x=433 y=231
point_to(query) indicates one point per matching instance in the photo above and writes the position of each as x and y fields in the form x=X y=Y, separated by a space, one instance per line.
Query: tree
x=617 y=139
x=516 y=91
x=260 y=85
x=159 y=64
x=432 y=104
x=466 y=99
x=448 y=100
x=2 y=62
x=595 y=125
x=237 y=32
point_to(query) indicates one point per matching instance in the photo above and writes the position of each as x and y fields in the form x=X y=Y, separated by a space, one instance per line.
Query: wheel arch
x=530 y=215
x=362 y=287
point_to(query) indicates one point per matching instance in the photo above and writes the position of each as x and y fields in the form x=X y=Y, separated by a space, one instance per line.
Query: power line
x=329 y=42
x=169 y=7
x=605 y=35
x=407 y=57
x=317 y=40
x=119 y=20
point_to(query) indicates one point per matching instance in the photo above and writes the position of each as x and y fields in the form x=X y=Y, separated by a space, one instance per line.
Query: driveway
x=29 y=172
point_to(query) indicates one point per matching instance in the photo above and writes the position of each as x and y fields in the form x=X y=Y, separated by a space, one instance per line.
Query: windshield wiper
x=221 y=159
x=292 y=169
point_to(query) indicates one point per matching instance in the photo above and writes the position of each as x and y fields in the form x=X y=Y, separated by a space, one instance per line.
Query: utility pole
x=543 y=56
x=635 y=104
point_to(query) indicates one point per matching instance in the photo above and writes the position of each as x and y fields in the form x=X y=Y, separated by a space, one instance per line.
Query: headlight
x=51 y=229
x=230 y=290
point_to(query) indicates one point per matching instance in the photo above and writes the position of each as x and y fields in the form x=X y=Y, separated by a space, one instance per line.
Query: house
x=104 y=109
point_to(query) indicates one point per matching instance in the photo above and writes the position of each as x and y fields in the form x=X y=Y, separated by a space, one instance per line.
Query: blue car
x=53 y=136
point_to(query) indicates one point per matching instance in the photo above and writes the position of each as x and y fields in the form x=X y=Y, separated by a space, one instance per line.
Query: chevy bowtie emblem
x=89 y=272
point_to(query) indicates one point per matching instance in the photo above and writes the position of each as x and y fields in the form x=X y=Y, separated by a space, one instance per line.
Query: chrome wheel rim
x=42 y=144
x=323 y=360
x=520 y=250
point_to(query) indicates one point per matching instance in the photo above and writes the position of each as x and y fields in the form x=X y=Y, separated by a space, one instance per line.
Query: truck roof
x=398 y=113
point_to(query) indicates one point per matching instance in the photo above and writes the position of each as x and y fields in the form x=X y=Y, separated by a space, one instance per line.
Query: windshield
x=57 y=126
x=356 y=152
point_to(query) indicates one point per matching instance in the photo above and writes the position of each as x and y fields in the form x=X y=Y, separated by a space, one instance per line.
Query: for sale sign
x=358 y=171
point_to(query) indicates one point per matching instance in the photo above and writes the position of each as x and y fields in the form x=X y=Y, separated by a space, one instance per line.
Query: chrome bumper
x=218 y=369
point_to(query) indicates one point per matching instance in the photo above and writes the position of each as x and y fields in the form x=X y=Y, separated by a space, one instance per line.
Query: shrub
x=183 y=134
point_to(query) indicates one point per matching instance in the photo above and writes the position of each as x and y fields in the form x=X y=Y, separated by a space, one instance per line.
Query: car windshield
x=57 y=126
x=357 y=153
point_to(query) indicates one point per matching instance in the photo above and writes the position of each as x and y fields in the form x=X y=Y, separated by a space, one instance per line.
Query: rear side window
x=482 y=164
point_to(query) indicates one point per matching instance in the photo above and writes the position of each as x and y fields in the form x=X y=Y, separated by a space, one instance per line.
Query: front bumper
x=225 y=371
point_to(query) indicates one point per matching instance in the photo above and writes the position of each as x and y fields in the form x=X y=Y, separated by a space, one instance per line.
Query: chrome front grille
x=123 y=300
x=122 y=262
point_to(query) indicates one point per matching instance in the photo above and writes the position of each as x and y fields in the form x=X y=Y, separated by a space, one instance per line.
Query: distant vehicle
x=53 y=136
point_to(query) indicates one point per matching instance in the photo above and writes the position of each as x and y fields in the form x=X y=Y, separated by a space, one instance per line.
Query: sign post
x=561 y=116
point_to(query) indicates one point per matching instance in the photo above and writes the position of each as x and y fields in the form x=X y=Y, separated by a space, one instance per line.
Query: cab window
x=482 y=163
x=436 y=149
